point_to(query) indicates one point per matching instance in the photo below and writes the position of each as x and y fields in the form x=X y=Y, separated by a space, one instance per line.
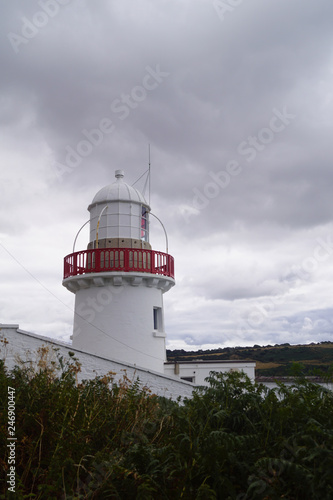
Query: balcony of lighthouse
x=117 y=266
x=101 y=260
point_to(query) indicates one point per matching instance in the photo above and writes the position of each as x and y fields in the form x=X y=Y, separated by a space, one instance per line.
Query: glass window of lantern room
x=124 y=219
x=144 y=224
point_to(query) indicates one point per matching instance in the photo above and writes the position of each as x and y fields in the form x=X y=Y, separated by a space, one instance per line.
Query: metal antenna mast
x=149 y=171
x=147 y=181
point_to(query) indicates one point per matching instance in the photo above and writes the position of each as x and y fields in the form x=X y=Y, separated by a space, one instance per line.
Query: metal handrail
x=100 y=260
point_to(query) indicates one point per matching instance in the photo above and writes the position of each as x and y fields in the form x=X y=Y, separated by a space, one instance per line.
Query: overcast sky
x=236 y=100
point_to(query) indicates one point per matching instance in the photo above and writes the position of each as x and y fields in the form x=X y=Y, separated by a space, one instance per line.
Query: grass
x=270 y=360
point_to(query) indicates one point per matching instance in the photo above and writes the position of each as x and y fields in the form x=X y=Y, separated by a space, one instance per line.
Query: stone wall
x=19 y=345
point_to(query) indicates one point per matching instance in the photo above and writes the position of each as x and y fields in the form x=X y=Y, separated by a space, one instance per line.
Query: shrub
x=231 y=440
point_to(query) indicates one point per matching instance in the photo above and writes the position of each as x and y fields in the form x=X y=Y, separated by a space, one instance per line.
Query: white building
x=198 y=370
x=119 y=282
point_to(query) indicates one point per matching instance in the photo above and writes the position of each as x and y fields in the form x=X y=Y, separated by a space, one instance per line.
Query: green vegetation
x=98 y=439
x=271 y=360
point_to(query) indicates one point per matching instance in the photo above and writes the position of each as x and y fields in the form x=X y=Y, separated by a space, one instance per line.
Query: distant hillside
x=278 y=360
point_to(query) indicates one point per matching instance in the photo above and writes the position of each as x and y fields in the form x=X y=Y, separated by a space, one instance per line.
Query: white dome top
x=118 y=191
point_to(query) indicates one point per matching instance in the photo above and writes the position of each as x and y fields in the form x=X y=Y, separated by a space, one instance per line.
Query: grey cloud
x=225 y=79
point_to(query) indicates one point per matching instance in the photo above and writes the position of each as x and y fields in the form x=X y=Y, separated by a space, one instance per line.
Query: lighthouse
x=119 y=281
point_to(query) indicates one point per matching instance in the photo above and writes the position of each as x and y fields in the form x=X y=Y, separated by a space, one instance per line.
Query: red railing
x=118 y=259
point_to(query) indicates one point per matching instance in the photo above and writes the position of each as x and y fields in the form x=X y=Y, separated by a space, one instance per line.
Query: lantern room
x=119 y=217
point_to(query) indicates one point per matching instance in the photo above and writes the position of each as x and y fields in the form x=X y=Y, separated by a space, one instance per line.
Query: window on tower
x=144 y=224
x=157 y=318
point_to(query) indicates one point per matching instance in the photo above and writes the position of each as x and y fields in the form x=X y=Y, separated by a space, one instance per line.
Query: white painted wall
x=199 y=370
x=274 y=385
x=116 y=321
x=24 y=345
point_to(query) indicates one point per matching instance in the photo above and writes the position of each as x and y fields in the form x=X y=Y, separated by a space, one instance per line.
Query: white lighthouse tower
x=119 y=281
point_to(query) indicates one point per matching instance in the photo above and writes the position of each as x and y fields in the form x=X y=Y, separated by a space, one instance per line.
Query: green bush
x=231 y=440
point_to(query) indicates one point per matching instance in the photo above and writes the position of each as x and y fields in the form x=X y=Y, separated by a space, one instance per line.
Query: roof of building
x=118 y=191
x=210 y=361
